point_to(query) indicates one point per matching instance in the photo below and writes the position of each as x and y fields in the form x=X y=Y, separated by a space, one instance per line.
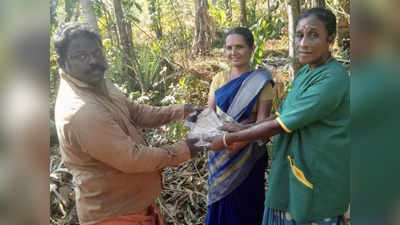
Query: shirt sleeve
x=316 y=102
x=147 y=116
x=102 y=138
x=267 y=93
x=152 y=116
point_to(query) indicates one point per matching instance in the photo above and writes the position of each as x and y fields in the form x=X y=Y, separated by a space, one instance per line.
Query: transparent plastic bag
x=206 y=126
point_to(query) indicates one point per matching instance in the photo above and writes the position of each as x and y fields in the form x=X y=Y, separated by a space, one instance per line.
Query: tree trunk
x=318 y=3
x=205 y=32
x=110 y=28
x=293 y=11
x=78 y=11
x=228 y=10
x=122 y=25
x=155 y=12
x=90 y=16
x=243 y=19
x=254 y=9
x=125 y=36
x=69 y=9
x=343 y=26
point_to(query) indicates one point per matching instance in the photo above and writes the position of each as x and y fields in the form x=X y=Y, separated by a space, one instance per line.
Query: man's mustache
x=95 y=67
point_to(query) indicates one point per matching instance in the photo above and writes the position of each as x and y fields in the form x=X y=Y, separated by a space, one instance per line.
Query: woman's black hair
x=324 y=15
x=245 y=33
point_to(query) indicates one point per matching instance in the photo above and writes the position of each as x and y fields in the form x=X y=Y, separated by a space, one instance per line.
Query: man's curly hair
x=66 y=32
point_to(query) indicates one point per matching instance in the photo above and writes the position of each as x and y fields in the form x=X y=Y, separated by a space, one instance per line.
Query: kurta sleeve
x=316 y=102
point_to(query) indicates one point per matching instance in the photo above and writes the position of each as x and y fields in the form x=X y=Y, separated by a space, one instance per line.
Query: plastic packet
x=206 y=126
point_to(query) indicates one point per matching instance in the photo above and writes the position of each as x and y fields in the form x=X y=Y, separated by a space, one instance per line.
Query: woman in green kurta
x=309 y=179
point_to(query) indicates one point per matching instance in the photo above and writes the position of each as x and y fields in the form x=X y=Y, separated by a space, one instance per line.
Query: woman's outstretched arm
x=266 y=128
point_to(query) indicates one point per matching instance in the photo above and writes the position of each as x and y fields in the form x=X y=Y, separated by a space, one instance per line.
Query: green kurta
x=310 y=164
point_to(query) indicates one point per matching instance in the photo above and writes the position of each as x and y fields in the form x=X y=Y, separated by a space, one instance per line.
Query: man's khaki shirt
x=115 y=172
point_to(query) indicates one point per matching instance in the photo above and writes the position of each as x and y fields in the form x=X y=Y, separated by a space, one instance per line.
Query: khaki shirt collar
x=73 y=80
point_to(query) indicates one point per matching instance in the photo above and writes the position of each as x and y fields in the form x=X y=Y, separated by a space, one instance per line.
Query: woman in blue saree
x=236 y=175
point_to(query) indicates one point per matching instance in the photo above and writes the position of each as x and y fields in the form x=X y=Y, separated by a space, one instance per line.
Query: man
x=117 y=176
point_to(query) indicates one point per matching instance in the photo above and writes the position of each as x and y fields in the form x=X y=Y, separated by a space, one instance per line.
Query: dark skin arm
x=263 y=109
x=231 y=127
x=265 y=128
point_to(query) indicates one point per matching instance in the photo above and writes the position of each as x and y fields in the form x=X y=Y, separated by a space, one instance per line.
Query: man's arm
x=152 y=116
x=102 y=138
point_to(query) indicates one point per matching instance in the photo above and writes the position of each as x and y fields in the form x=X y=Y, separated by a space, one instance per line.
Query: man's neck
x=101 y=88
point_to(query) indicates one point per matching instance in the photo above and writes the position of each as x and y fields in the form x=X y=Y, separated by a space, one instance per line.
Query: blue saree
x=236 y=182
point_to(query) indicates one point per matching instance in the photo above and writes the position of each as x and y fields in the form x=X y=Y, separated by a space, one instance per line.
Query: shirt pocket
x=300 y=193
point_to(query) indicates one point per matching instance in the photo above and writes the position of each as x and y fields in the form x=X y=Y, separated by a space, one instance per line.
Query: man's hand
x=194 y=150
x=191 y=112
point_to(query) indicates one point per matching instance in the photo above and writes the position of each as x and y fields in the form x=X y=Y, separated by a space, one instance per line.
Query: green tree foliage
x=267 y=27
x=160 y=35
